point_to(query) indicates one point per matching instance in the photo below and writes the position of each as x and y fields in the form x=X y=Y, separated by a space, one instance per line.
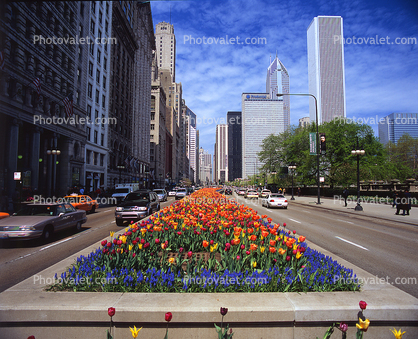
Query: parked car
x=275 y=200
x=251 y=194
x=41 y=221
x=228 y=191
x=137 y=205
x=162 y=194
x=265 y=193
x=181 y=193
x=82 y=202
x=241 y=192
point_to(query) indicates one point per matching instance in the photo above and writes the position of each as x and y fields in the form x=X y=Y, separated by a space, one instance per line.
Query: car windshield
x=159 y=191
x=137 y=197
x=37 y=210
x=276 y=196
x=181 y=190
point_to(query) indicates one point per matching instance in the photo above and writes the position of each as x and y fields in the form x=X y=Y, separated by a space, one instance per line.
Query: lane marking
x=57 y=243
x=306 y=212
x=112 y=221
x=348 y=222
x=107 y=211
x=352 y=243
x=299 y=222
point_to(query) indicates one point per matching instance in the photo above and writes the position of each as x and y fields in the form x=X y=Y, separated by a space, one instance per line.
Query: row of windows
x=95 y=137
x=97 y=97
x=96 y=157
x=97 y=75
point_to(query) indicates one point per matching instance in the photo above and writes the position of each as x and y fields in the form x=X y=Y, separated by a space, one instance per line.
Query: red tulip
x=111 y=311
x=157 y=241
x=362 y=305
x=189 y=254
x=168 y=316
x=31 y=337
x=224 y=310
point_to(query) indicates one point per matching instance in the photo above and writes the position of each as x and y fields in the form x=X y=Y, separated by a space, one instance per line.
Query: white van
x=122 y=190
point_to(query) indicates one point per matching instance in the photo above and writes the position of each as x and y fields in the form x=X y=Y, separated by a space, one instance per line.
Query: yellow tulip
x=262 y=249
x=172 y=260
x=112 y=234
x=255 y=264
x=398 y=334
x=130 y=247
x=140 y=246
x=298 y=255
x=363 y=324
x=126 y=229
x=214 y=247
x=135 y=331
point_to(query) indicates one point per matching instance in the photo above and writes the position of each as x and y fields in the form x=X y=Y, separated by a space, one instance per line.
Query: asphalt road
x=385 y=249
x=20 y=260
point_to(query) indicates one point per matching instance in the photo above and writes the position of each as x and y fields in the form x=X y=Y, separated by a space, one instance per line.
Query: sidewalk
x=373 y=210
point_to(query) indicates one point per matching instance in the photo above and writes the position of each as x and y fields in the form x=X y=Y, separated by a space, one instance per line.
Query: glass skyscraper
x=393 y=126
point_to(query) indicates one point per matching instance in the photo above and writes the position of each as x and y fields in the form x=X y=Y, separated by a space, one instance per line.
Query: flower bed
x=246 y=253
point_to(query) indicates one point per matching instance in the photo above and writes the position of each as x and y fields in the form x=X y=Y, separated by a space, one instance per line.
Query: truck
x=122 y=190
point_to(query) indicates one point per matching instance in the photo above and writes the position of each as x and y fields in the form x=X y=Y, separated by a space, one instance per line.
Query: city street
x=22 y=259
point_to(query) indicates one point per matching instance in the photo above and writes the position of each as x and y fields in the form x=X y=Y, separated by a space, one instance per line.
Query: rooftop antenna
x=170 y=14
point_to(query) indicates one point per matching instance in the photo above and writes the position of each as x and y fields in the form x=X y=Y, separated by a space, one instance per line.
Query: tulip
x=104 y=242
x=205 y=243
x=111 y=311
x=288 y=258
x=189 y=254
x=363 y=324
x=362 y=304
x=157 y=241
x=398 y=334
x=224 y=310
x=135 y=331
x=343 y=327
x=168 y=316
x=294 y=231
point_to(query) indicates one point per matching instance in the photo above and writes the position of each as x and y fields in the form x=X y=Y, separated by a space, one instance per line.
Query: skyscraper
x=234 y=145
x=261 y=116
x=393 y=126
x=166 y=47
x=278 y=82
x=326 y=68
x=221 y=153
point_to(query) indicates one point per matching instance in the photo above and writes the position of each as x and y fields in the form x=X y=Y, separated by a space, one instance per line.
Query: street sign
x=312 y=143
x=17 y=175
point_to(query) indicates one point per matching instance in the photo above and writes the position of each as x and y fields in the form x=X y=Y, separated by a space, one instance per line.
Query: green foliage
x=338 y=165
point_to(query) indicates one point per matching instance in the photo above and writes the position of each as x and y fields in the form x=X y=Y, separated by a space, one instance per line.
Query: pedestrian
x=299 y=191
x=400 y=202
x=395 y=198
x=407 y=202
x=345 y=196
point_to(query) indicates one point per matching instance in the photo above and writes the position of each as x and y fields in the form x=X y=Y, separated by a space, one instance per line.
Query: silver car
x=181 y=193
x=41 y=221
x=162 y=194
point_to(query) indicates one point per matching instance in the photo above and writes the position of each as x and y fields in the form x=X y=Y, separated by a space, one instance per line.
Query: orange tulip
x=281 y=251
x=253 y=247
x=205 y=243
x=272 y=249
x=253 y=237
x=302 y=238
x=272 y=242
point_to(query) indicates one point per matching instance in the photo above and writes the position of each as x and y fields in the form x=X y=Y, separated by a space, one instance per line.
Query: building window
x=102 y=158
x=97 y=96
x=104 y=82
x=100 y=17
x=106 y=26
x=98 y=76
x=92 y=26
x=95 y=138
x=103 y=101
x=102 y=140
x=79 y=75
x=90 y=68
x=93 y=6
x=89 y=112
x=96 y=116
x=105 y=63
x=152 y=116
x=92 y=49
x=95 y=156
x=88 y=136
x=90 y=90
x=152 y=127
x=99 y=55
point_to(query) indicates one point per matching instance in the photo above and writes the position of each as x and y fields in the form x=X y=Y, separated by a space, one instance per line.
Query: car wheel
x=47 y=233
x=158 y=207
x=285 y=208
x=78 y=226
x=268 y=205
x=119 y=222
x=93 y=209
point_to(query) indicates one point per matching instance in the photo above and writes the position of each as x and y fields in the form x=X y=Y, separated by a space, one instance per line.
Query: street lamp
x=292 y=168
x=54 y=163
x=120 y=167
x=317 y=137
x=357 y=151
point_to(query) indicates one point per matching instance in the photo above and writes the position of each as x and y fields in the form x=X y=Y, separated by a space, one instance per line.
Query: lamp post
x=292 y=167
x=54 y=153
x=317 y=137
x=357 y=151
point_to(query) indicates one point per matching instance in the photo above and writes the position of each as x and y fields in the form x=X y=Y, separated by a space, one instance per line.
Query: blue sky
x=380 y=79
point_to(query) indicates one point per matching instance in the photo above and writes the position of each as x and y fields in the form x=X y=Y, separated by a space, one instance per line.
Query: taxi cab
x=82 y=202
x=4 y=215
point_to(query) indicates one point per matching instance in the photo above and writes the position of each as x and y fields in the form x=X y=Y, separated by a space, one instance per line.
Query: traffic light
x=322 y=143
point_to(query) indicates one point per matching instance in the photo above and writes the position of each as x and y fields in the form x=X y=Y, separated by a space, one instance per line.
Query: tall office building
x=326 y=68
x=304 y=122
x=393 y=126
x=278 y=82
x=205 y=166
x=166 y=47
x=221 y=153
x=261 y=116
x=234 y=122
